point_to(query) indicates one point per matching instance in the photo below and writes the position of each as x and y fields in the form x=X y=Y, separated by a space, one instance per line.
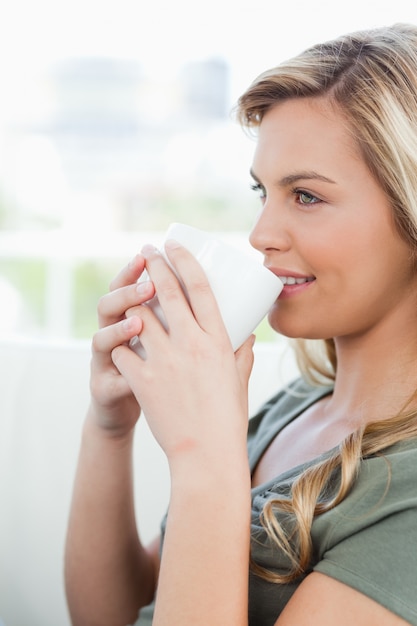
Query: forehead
x=307 y=128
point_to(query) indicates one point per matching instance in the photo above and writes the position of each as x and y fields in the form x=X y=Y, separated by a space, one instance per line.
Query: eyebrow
x=290 y=179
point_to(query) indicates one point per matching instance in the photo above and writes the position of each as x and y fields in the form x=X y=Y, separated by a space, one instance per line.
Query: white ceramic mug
x=244 y=289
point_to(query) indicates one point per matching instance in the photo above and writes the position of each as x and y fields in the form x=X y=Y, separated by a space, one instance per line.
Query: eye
x=259 y=189
x=305 y=198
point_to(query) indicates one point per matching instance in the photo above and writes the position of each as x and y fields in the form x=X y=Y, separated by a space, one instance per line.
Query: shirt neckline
x=312 y=398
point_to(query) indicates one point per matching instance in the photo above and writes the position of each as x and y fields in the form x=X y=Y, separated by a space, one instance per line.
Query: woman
x=324 y=514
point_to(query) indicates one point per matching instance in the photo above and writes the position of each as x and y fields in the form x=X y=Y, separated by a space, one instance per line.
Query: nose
x=270 y=231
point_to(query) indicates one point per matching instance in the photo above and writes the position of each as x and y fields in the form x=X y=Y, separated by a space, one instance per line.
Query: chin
x=295 y=330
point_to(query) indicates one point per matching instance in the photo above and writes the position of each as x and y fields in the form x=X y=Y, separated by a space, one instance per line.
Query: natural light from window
x=115 y=121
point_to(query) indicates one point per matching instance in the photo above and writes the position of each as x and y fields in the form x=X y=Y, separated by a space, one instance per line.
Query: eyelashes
x=304 y=198
x=259 y=189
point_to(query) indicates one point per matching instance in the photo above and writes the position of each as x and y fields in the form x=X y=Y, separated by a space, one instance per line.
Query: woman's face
x=326 y=226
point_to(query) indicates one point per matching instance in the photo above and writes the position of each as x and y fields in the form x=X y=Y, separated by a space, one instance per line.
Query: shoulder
x=384 y=495
x=389 y=478
x=369 y=541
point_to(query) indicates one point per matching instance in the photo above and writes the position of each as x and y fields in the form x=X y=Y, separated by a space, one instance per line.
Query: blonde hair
x=371 y=78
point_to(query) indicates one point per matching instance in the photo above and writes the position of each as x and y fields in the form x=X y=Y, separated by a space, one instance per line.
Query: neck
x=376 y=375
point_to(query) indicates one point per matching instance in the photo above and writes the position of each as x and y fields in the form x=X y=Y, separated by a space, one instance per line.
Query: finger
x=106 y=339
x=127 y=362
x=171 y=297
x=202 y=301
x=112 y=307
x=153 y=334
x=129 y=274
x=110 y=386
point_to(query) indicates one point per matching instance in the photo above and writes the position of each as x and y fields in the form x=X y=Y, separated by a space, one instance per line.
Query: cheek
x=330 y=253
x=347 y=250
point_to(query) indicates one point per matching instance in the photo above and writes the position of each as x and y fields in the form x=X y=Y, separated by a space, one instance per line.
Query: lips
x=294 y=283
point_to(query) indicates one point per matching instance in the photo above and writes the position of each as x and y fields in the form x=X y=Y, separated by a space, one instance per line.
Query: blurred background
x=115 y=120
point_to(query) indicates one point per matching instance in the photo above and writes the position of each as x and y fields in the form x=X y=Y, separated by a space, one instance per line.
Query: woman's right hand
x=113 y=405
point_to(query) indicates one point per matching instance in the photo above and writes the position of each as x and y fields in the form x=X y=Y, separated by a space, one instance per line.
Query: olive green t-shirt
x=368 y=541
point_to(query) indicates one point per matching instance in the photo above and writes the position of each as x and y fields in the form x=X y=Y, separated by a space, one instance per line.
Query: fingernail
x=172 y=244
x=143 y=287
x=127 y=323
x=148 y=250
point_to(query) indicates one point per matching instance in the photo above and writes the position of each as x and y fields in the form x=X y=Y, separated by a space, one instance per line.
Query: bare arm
x=108 y=573
x=204 y=570
x=324 y=601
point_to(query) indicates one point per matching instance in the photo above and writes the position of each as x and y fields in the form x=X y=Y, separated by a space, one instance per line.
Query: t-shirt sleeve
x=372 y=545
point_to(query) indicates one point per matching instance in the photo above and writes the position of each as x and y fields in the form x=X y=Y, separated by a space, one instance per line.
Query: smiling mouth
x=291 y=280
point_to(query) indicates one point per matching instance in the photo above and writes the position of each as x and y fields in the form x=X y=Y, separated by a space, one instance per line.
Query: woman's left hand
x=192 y=387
